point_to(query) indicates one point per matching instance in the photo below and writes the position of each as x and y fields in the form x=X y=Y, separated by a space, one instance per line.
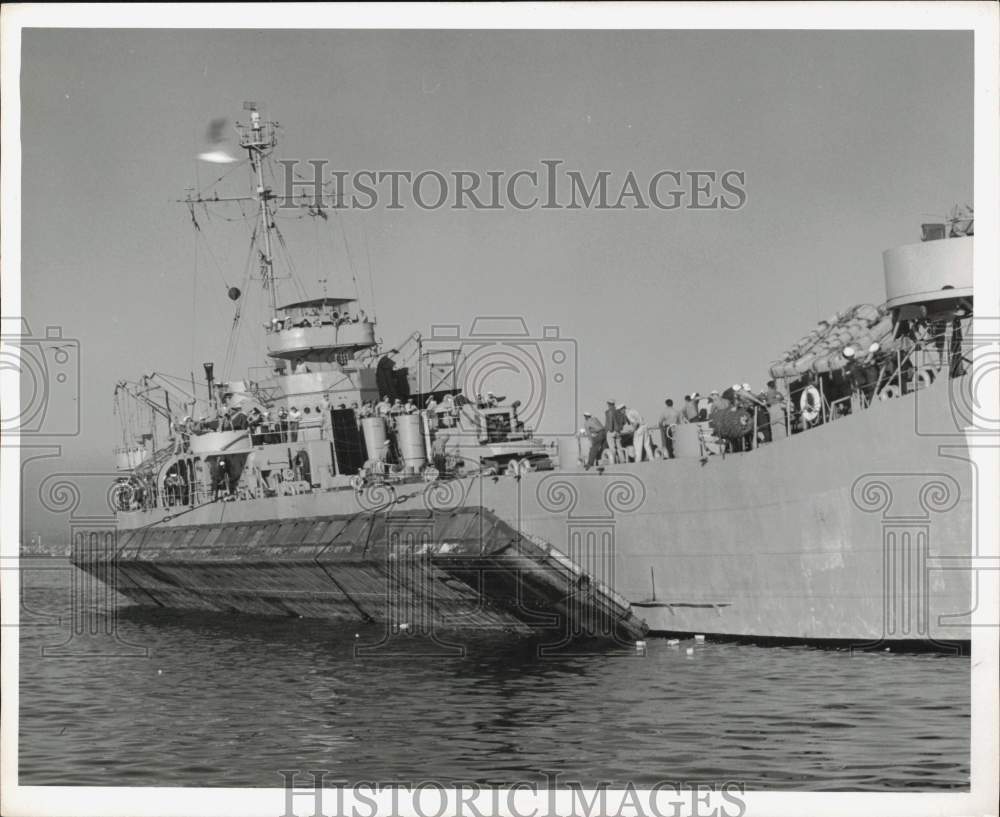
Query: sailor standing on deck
x=613 y=425
x=704 y=406
x=221 y=477
x=598 y=438
x=326 y=419
x=669 y=419
x=432 y=413
x=254 y=421
x=173 y=488
x=640 y=440
x=690 y=411
x=776 y=412
x=753 y=404
x=294 y=418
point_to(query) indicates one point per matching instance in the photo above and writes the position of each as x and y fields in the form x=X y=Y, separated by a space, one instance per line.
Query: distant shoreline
x=51 y=552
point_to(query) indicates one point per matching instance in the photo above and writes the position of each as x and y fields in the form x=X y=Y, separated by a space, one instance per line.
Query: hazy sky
x=849 y=140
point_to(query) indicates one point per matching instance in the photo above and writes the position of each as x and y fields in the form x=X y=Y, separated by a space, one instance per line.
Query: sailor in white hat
x=704 y=406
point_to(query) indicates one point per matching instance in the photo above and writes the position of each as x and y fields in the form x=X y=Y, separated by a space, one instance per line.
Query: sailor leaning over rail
x=640 y=435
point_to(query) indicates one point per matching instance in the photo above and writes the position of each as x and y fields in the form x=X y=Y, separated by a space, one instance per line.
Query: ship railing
x=840 y=407
x=911 y=369
x=902 y=371
x=304 y=431
x=201 y=496
x=312 y=322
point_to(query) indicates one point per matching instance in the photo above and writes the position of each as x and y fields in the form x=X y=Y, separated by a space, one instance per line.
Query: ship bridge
x=320 y=330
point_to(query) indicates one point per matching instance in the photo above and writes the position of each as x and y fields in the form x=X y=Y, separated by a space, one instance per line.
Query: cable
x=347 y=250
x=371 y=279
x=234 y=331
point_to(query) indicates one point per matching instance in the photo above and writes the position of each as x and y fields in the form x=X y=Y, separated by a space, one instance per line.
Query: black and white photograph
x=498 y=409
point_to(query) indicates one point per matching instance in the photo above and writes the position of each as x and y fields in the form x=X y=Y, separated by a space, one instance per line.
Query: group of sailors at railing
x=740 y=419
x=291 y=424
x=316 y=318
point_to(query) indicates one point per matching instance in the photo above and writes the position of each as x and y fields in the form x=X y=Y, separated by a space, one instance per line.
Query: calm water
x=227 y=701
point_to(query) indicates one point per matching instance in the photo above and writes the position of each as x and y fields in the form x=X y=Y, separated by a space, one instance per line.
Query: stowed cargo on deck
x=421 y=570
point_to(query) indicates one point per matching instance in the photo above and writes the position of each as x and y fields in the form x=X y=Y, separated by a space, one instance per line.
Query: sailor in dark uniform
x=222 y=477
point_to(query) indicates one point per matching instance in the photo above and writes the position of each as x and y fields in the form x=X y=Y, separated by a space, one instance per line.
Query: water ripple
x=227 y=701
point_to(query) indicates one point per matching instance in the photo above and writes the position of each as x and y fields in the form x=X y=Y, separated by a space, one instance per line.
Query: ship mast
x=260 y=138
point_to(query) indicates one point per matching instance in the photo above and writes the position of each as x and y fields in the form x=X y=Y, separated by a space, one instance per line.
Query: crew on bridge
x=301 y=316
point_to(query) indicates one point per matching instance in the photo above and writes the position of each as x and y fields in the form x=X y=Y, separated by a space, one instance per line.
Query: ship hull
x=858 y=531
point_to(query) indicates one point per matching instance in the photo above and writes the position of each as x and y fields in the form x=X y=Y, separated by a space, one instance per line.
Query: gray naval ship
x=348 y=487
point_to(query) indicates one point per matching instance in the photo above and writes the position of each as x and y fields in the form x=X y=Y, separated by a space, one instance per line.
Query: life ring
x=287 y=474
x=888 y=393
x=431 y=474
x=123 y=496
x=809 y=404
